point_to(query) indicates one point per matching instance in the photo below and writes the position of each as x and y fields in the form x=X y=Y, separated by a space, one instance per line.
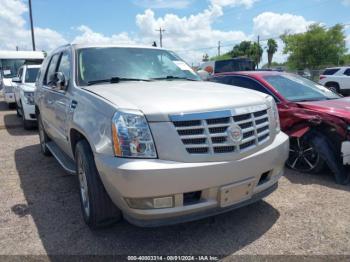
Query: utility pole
x=257 y=66
x=219 y=48
x=31 y=23
x=161 y=31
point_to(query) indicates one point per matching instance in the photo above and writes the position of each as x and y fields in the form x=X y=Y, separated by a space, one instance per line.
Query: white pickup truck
x=337 y=79
x=24 y=87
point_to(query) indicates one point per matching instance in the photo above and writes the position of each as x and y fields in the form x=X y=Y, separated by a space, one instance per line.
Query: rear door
x=345 y=79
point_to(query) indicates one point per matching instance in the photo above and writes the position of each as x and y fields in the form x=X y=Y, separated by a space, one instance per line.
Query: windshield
x=96 y=64
x=31 y=75
x=296 y=88
x=9 y=67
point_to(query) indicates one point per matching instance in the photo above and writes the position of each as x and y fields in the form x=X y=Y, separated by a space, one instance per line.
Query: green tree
x=247 y=49
x=271 y=50
x=256 y=53
x=317 y=48
x=242 y=49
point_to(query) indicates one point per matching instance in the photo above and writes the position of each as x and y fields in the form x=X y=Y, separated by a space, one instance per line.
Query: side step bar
x=64 y=160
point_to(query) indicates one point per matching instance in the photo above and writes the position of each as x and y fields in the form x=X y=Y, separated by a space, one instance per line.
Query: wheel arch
x=75 y=135
x=332 y=83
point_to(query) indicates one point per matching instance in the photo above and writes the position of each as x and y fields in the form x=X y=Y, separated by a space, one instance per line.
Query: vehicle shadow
x=10 y=121
x=326 y=178
x=53 y=203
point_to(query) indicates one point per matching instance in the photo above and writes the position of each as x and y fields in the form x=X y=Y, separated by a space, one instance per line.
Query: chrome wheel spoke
x=308 y=162
x=298 y=142
x=83 y=187
x=295 y=162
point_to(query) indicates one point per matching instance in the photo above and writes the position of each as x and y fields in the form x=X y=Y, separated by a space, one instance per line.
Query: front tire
x=17 y=111
x=27 y=125
x=333 y=87
x=97 y=207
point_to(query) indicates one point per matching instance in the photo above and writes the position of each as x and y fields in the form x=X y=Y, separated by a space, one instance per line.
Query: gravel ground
x=40 y=214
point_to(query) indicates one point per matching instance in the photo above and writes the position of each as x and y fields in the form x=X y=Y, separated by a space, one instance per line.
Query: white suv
x=24 y=86
x=337 y=79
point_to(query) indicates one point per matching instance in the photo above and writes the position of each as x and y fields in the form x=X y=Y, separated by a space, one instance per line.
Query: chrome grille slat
x=208 y=136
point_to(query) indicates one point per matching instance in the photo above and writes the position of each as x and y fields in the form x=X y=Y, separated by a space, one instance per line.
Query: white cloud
x=270 y=24
x=187 y=33
x=191 y=36
x=14 y=30
x=233 y=3
x=88 y=36
x=158 y=4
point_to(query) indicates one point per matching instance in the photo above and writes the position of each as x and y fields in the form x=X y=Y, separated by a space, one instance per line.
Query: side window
x=250 y=84
x=330 y=71
x=65 y=65
x=51 y=70
x=222 y=80
x=347 y=72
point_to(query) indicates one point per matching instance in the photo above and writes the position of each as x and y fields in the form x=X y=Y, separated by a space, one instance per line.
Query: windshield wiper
x=115 y=80
x=173 y=77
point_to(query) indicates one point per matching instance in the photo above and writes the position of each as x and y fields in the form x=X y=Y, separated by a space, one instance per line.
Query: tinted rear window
x=234 y=65
x=330 y=71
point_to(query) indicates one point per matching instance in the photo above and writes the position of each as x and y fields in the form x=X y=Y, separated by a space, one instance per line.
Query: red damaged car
x=316 y=119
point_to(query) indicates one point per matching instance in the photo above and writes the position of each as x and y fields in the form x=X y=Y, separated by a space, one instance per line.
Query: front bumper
x=141 y=178
x=29 y=112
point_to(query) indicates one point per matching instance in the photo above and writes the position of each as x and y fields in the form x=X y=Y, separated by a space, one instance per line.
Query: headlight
x=132 y=136
x=275 y=114
x=28 y=98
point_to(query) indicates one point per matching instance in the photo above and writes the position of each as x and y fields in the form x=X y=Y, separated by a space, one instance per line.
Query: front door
x=61 y=106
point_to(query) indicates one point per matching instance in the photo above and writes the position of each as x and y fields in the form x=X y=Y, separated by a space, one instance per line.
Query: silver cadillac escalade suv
x=148 y=140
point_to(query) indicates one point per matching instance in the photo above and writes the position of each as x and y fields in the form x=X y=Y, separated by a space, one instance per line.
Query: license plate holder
x=235 y=193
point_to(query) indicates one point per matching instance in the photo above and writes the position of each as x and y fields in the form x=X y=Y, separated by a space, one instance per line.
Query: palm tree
x=271 y=50
x=256 y=53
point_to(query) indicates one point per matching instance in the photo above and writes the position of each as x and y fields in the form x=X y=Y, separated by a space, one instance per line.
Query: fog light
x=150 y=203
x=163 y=202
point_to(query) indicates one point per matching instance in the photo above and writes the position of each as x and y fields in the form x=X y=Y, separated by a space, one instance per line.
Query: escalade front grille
x=209 y=134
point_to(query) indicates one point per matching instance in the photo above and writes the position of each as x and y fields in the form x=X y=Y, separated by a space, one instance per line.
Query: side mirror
x=204 y=75
x=60 y=82
x=16 y=80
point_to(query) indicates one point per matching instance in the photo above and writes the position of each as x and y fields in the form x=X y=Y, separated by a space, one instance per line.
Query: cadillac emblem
x=235 y=133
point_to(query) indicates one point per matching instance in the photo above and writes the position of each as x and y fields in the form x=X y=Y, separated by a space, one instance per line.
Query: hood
x=159 y=99
x=28 y=87
x=7 y=81
x=337 y=107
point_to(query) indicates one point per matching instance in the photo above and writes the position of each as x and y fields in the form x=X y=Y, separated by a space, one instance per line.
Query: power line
x=219 y=48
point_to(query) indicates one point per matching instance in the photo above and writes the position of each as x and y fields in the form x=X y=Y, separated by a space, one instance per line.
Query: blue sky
x=109 y=17
x=193 y=27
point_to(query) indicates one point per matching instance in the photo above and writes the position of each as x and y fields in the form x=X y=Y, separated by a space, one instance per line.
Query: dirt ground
x=40 y=214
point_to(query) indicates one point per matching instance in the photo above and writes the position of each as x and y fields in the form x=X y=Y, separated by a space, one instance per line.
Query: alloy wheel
x=84 y=192
x=302 y=156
